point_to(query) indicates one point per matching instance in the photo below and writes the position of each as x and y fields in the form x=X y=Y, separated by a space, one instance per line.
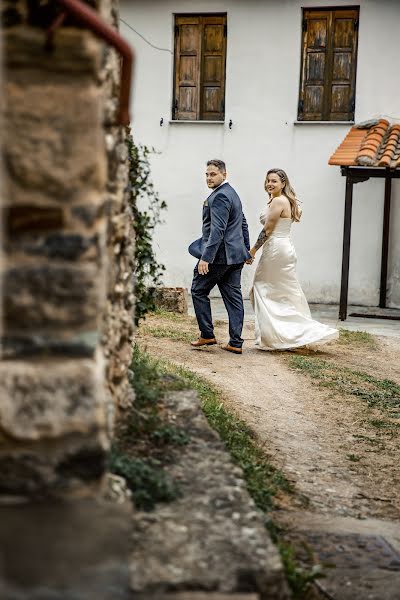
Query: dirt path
x=309 y=432
x=347 y=470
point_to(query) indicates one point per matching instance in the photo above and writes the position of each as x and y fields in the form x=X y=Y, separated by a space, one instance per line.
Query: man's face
x=214 y=176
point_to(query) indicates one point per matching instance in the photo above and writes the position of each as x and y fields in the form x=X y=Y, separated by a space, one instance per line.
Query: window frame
x=325 y=113
x=200 y=74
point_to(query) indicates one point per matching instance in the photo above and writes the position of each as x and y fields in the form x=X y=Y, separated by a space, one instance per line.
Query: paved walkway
x=328 y=314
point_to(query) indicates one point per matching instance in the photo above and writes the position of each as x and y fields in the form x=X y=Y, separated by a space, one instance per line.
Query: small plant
x=169 y=434
x=148 y=271
x=357 y=338
x=299 y=579
x=145 y=478
x=353 y=457
x=145 y=436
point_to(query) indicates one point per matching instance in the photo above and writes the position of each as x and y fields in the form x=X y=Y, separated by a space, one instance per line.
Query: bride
x=282 y=316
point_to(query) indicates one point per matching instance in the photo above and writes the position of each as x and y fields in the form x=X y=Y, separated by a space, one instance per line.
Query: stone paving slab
x=213 y=537
x=360 y=556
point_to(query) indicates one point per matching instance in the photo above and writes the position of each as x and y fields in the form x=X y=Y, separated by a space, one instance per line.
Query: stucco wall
x=262 y=79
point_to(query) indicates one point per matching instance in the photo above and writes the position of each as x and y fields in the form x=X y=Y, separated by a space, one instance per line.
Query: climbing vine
x=148 y=271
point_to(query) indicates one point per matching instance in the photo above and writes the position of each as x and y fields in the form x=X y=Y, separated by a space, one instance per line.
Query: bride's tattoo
x=262 y=238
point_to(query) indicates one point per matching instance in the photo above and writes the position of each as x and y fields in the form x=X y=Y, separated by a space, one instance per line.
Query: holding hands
x=252 y=251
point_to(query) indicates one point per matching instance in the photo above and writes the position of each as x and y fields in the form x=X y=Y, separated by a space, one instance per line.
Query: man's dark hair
x=217 y=163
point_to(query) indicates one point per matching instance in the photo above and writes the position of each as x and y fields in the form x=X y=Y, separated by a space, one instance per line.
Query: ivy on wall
x=148 y=271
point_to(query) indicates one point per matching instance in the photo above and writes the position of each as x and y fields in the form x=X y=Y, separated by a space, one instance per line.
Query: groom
x=222 y=250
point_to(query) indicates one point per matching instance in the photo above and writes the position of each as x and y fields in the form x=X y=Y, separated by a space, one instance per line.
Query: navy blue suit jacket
x=225 y=238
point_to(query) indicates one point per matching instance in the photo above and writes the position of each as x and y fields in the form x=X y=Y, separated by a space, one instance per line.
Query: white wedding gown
x=282 y=316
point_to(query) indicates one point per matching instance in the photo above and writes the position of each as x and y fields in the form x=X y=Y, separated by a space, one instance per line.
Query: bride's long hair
x=287 y=191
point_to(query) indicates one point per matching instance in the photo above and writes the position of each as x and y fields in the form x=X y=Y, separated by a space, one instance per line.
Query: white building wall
x=262 y=82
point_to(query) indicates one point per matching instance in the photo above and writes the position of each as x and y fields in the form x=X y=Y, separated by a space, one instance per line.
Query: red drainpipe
x=89 y=17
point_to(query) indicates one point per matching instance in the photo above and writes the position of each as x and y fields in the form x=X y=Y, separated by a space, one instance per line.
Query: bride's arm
x=276 y=207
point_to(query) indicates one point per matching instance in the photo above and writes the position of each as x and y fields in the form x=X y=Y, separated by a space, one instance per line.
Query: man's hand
x=252 y=251
x=202 y=267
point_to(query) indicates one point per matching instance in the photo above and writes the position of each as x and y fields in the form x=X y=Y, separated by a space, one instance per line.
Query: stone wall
x=67 y=255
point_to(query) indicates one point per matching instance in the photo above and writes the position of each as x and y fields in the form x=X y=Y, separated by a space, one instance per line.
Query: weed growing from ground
x=378 y=393
x=357 y=338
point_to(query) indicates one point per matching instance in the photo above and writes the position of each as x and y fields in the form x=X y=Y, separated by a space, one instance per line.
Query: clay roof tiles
x=373 y=146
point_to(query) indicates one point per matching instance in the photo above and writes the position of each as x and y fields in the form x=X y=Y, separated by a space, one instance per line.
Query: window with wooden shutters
x=199 y=74
x=328 y=64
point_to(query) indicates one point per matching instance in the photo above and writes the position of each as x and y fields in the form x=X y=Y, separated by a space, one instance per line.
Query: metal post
x=344 y=287
x=385 y=242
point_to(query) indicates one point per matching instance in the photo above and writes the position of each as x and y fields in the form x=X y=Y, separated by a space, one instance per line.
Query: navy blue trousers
x=227 y=278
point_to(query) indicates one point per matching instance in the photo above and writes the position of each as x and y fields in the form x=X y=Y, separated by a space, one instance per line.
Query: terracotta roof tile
x=378 y=145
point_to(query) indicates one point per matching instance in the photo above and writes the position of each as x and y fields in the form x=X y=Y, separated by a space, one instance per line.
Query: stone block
x=30 y=218
x=51 y=399
x=53 y=295
x=63 y=246
x=54 y=140
x=35 y=344
x=173 y=299
x=75 y=51
x=72 y=466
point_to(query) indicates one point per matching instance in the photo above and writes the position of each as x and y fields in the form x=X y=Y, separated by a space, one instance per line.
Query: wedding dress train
x=282 y=316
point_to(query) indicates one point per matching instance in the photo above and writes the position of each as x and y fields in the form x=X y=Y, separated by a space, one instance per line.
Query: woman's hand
x=250 y=261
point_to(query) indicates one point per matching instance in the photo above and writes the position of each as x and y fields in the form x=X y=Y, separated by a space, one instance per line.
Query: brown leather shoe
x=229 y=348
x=203 y=342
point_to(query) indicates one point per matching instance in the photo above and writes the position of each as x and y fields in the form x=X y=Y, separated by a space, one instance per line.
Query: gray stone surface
x=174 y=299
x=51 y=400
x=55 y=295
x=212 y=538
x=45 y=344
x=75 y=550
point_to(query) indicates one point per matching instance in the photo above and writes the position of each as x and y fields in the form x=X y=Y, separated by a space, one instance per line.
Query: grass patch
x=170 y=325
x=353 y=457
x=162 y=324
x=377 y=393
x=145 y=437
x=169 y=333
x=168 y=315
x=380 y=424
x=146 y=479
x=357 y=338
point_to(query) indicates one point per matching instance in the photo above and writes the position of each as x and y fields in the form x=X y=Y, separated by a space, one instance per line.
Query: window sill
x=180 y=121
x=323 y=123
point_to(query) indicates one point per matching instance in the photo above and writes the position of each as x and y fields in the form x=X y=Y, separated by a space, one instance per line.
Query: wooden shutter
x=329 y=52
x=200 y=56
x=187 y=68
x=344 y=55
x=213 y=68
x=314 y=59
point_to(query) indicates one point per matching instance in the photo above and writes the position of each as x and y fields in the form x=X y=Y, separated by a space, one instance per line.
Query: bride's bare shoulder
x=279 y=201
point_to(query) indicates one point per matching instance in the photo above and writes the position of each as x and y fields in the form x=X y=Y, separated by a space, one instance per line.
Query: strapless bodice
x=283 y=226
